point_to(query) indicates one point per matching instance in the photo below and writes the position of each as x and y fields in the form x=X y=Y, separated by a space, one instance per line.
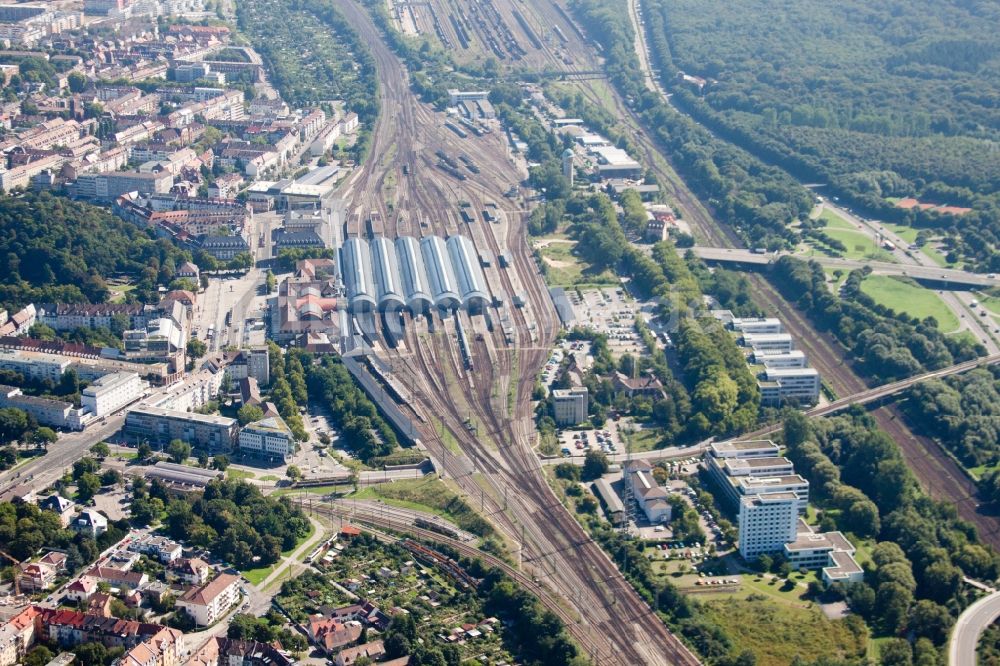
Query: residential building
x=118 y=577
x=109 y=185
x=269 y=438
x=331 y=634
x=249 y=392
x=371 y=651
x=90 y=522
x=191 y=570
x=36 y=577
x=60 y=506
x=158 y=425
x=163 y=549
x=650 y=496
x=570 y=405
x=67 y=316
x=767 y=523
x=18 y=634
x=230 y=652
x=254 y=362
x=34 y=366
x=224 y=247
x=646 y=384
x=48 y=412
x=208 y=603
x=188 y=270
x=161 y=339
x=112 y=392
x=81 y=589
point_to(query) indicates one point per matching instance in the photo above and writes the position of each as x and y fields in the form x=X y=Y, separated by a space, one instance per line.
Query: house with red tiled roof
x=330 y=635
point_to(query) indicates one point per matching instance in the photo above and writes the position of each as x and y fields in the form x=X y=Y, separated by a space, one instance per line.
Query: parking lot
x=612 y=312
x=578 y=442
x=580 y=349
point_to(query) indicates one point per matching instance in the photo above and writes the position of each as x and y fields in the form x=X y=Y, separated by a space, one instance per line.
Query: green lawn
x=232 y=473
x=315 y=490
x=777 y=633
x=646 y=439
x=906 y=297
x=430 y=495
x=860 y=243
x=565 y=269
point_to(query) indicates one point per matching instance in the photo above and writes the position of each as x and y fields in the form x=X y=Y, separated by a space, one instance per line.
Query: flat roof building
x=757 y=325
x=205 y=431
x=767 y=342
x=767 y=523
x=112 y=392
x=781 y=385
x=570 y=406
x=268 y=438
x=754 y=448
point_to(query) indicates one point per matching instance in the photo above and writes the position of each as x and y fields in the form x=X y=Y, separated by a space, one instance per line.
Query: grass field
x=564 y=269
x=232 y=473
x=859 y=243
x=315 y=490
x=913 y=300
x=430 y=495
x=777 y=633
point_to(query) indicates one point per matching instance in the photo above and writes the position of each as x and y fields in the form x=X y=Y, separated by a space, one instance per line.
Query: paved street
x=969 y=627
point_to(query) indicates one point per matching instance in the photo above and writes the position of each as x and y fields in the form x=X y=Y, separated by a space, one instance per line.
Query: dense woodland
x=881 y=100
x=56 y=250
x=861 y=482
x=963 y=413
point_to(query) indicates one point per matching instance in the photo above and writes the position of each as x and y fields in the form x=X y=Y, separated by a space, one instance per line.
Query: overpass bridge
x=950 y=277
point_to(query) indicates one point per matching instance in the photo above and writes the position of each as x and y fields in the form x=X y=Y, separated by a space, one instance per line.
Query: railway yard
x=470 y=375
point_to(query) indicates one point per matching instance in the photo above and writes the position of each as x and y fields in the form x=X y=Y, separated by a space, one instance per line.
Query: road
x=969 y=627
x=946 y=276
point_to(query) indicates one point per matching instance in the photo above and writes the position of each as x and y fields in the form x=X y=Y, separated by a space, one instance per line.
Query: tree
x=101 y=450
x=77 y=82
x=930 y=620
x=87 y=486
x=765 y=562
x=178 y=450
x=293 y=473
x=249 y=414
x=896 y=652
x=38 y=656
x=111 y=477
x=595 y=465
x=91 y=654
x=196 y=348
x=144 y=452
x=44 y=436
x=220 y=462
x=69 y=383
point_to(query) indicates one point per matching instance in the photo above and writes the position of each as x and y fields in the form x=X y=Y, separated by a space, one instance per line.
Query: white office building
x=774 y=361
x=756 y=466
x=767 y=523
x=753 y=448
x=112 y=392
x=269 y=438
x=781 y=385
x=767 y=342
x=758 y=325
x=570 y=405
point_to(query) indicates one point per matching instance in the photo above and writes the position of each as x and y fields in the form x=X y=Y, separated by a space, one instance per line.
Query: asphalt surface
x=969 y=627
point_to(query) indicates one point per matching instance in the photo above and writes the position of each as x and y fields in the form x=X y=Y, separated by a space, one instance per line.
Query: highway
x=943 y=276
x=969 y=627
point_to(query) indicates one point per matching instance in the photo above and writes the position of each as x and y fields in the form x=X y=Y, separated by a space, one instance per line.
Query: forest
x=895 y=99
x=922 y=549
x=53 y=249
x=962 y=412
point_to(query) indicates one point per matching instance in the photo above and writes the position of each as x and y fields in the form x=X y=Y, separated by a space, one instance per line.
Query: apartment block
x=112 y=392
x=108 y=186
x=158 y=425
x=39 y=367
x=48 y=412
x=570 y=405
x=208 y=603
